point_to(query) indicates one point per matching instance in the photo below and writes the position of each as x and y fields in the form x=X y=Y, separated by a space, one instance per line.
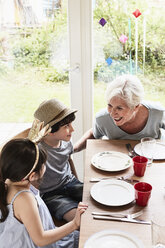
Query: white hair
x=127 y=87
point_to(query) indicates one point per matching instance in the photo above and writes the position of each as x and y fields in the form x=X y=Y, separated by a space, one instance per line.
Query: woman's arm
x=81 y=143
x=26 y=210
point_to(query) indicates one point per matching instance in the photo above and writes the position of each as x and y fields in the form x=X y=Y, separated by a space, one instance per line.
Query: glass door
x=128 y=37
x=34 y=58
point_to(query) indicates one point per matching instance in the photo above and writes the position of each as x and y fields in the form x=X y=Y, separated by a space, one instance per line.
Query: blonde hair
x=127 y=87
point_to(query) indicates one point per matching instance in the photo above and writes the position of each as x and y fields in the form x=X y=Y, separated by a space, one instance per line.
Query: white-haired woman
x=126 y=115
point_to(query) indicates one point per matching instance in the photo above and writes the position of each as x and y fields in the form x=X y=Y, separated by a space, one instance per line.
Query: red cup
x=142 y=193
x=139 y=165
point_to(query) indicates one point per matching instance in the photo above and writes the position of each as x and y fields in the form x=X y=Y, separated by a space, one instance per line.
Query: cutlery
x=100 y=217
x=131 y=151
x=94 y=179
x=160 y=143
x=119 y=215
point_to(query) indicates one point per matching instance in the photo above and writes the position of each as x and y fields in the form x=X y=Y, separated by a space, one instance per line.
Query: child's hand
x=80 y=210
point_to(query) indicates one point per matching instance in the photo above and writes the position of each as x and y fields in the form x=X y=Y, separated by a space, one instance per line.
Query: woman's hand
x=80 y=210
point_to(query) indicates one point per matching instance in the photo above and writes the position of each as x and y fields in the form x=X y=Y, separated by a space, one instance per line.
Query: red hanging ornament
x=137 y=13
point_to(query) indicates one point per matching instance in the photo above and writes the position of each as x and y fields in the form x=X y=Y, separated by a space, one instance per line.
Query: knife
x=117 y=178
x=100 y=217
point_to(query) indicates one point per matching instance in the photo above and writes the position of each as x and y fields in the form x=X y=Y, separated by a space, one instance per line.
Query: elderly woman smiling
x=127 y=116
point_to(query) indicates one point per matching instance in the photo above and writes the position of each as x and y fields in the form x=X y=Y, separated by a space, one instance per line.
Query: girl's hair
x=16 y=160
x=127 y=87
x=68 y=119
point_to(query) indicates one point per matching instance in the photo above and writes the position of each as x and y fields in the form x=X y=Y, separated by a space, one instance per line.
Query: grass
x=22 y=92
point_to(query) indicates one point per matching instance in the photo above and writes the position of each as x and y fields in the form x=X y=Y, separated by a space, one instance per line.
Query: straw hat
x=52 y=111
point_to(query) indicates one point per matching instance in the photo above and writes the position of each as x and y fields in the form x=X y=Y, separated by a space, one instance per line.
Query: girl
x=24 y=218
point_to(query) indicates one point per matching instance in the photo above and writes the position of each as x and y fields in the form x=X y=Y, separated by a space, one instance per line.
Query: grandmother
x=127 y=116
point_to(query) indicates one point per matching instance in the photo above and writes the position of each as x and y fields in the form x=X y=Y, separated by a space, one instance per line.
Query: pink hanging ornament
x=123 y=38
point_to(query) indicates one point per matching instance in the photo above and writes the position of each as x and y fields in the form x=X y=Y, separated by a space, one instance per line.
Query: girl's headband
x=36 y=133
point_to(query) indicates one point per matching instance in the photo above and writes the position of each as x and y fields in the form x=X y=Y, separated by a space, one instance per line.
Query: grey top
x=13 y=233
x=58 y=171
x=105 y=126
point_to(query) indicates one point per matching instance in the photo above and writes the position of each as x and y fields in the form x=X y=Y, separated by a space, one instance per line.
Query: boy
x=60 y=189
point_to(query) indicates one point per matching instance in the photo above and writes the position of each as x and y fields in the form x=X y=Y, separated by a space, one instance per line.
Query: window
x=34 y=57
x=124 y=43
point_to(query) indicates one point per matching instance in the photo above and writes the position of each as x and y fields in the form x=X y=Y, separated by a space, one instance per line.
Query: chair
x=24 y=134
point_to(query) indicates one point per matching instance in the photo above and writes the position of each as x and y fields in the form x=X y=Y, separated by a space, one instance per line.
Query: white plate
x=113 y=192
x=159 y=150
x=111 y=161
x=113 y=239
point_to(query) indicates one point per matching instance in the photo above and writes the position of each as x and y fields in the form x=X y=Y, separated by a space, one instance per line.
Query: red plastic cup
x=139 y=165
x=142 y=193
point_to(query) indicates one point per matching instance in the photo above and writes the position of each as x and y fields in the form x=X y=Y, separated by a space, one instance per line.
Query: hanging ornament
x=130 y=54
x=109 y=61
x=136 y=13
x=102 y=22
x=144 y=37
x=144 y=41
x=123 y=38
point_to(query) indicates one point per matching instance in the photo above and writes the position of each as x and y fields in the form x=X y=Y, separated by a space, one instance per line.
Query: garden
x=31 y=72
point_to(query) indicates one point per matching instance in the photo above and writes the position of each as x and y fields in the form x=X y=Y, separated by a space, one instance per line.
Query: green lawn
x=21 y=93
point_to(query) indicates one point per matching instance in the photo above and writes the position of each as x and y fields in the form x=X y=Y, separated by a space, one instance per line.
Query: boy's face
x=64 y=133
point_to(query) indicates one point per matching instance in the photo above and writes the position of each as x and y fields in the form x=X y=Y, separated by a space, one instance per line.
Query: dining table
x=154 y=175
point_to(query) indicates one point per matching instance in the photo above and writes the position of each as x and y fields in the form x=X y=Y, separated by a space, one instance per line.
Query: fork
x=131 y=151
x=120 y=215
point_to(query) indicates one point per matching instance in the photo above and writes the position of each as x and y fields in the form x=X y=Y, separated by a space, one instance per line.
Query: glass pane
x=115 y=50
x=33 y=56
